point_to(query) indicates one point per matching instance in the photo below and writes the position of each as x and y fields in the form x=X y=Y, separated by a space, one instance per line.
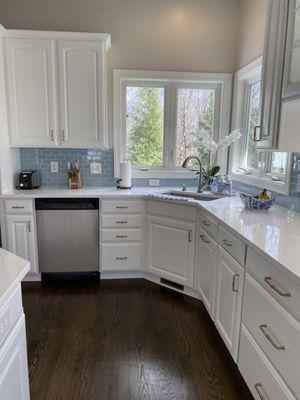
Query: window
x=268 y=169
x=160 y=116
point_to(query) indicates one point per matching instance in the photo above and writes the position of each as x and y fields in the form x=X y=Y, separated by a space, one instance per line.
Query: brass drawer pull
x=234 y=282
x=203 y=237
x=121 y=258
x=260 y=391
x=121 y=207
x=121 y=236
x=266 y=331
x=272 y=284
x=205 y=223
x=121 y=222
x=226 y=243
x=17 y=207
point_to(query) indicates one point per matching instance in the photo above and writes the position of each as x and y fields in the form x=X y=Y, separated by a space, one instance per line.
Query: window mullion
x=172 y=125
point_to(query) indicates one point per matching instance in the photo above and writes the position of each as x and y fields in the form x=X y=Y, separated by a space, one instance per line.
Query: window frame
x=248 y=75
x=171 y=81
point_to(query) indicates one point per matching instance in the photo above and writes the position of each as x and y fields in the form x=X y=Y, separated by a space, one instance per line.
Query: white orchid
x=210 y=145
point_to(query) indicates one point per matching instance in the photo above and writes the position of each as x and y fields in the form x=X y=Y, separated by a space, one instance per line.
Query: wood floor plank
x=124 y=340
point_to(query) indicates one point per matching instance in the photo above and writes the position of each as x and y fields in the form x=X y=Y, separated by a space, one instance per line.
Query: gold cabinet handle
x=204 y=239
x=226 y=243
x=234 y=282
x=267 y=333
x=260 y=391
x=205 y=223
x=272 y=284
x=121 y=222
x=63 y=135
x=121 y=236
x=121 y=258
x=121 y=207
x=18 y=207
x=52 y=135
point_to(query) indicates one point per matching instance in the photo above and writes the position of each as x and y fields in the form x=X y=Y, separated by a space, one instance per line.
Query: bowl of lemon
x=263 y=201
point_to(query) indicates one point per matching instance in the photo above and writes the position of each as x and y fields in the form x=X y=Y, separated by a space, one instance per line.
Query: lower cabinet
x=13 y=364
x=21 y=238
x=170 y=249
x=205 y=273
x=229 y=297
x=121 y=256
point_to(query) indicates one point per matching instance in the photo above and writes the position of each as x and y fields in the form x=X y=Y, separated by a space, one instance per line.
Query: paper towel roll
x=125 y=175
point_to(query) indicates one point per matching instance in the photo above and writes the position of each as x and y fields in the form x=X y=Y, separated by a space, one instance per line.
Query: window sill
x=163 y=174
x=275 y=186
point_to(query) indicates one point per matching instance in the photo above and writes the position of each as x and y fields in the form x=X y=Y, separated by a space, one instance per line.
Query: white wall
x=175 y=35
x=251 y=31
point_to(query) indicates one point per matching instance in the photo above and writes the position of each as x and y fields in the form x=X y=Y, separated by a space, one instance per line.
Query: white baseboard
x=32 y=277
x=121 y=274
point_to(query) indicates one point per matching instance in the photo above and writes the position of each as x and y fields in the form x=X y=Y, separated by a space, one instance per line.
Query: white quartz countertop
x=272 y=232
x=12 y=271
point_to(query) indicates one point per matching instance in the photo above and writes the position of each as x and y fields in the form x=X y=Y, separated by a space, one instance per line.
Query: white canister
x=125 y=175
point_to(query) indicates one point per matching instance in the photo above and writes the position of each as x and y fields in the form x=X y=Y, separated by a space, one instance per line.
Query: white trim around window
x=171 y=81
x=243 y=79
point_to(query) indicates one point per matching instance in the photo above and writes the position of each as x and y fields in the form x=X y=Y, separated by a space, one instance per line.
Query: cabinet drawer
x=280 y=286
x=258 y=373
x=18 y=206
x=232 y=244
x=122 y=206
x=118 y=257
x=209 y=225
x=10 y=312
x=121 y=235
x=168 y=209
x=275 y=330
x=121 y=221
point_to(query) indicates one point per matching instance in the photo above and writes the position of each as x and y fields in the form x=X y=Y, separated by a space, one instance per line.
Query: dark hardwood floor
x=119 y=340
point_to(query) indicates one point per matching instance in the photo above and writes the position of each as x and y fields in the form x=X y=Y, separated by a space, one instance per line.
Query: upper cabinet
x=56 y=87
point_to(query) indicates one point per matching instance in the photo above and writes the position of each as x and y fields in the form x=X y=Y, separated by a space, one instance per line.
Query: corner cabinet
x=56 y=88
x=170 y=251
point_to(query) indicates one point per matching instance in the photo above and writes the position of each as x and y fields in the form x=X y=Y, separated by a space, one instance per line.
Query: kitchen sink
x=205 y=196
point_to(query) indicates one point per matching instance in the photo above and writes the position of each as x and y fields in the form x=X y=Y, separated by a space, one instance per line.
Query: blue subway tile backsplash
x=40 y=159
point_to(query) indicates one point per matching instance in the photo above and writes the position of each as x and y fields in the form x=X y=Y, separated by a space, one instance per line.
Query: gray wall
x=251 y=31
x=175 y=35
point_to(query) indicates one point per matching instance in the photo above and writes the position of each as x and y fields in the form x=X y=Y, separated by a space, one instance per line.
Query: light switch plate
x=154 y=182
x=54 y=167
x=95 y=168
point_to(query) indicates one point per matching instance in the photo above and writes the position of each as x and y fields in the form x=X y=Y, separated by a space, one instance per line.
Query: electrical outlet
x=298 y=183
x=154 y=182
x=95 y=168
x=54 y=167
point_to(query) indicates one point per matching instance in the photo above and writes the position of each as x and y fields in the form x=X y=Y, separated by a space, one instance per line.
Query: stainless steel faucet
x=201 y=184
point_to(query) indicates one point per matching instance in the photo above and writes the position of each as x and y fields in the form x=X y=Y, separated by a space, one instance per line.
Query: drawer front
x=18 y=206
x=10 y=312
x=122 y=206
x=121 y=221
x=275 y=330
x=168 y=209
x=121 y=235
x=280 y=286
x=119 y=257
x=232 y=244
x=209 y=225
x=260 y=376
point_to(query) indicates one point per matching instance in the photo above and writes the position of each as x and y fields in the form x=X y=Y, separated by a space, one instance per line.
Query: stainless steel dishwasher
x=68 y=235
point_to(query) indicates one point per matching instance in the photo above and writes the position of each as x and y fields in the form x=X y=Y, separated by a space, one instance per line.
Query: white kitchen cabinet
x=229 y=296
x=205 y=272
x=56 y=89
x=21 y=238
x=170 y=249
x=82 y=85
x=13 y=364
x=30 y=76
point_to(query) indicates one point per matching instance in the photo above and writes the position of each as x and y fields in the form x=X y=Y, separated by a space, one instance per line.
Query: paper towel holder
x=122 y=187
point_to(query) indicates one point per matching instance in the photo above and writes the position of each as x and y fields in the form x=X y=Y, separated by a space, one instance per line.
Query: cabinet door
x=207 y=256
x=82 y=93
x=14 y=383
x=229 y=295
x=170 y=249
x=266 y=135
x=31 y=92
x=21 y=238
x=291 y=79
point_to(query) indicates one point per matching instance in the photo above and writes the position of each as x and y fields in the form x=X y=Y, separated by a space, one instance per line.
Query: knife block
x=74 y=180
